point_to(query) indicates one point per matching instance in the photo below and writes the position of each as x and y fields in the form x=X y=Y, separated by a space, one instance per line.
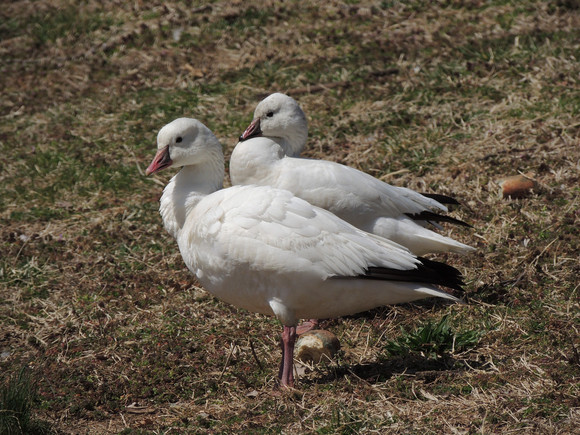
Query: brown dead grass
x=450 y=97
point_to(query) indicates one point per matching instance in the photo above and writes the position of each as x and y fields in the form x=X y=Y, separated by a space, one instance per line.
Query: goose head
x=185 y=142
x=280 y=117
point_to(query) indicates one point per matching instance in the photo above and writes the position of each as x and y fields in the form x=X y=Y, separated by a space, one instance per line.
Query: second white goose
x=266 y=155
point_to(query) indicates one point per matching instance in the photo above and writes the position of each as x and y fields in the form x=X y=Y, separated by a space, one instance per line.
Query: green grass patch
x=47 y=26
x=17 y=398
x=432 y=340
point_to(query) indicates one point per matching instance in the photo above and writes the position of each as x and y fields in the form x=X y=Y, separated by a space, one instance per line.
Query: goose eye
x=270 y=114
x=179 y=139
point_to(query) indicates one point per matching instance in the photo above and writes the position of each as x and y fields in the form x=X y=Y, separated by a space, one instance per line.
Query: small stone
x=316 y=345
x=516 y=186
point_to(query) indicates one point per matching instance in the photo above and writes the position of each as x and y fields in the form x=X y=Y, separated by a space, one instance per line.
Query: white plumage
x=267 y=251
x=266 y=155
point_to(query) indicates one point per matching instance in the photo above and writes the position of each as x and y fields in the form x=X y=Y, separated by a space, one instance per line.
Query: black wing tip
x=443 y=199
x=430 y=216
x=449 y=276
x=427 y=272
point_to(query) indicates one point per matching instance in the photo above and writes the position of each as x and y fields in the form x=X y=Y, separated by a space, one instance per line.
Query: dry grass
x=448 y=97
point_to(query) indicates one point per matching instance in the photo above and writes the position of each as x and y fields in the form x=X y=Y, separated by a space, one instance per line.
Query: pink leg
x=286 y=373
x=307 y=326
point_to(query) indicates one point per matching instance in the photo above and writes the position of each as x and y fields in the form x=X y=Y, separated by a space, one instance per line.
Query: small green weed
x=16 y=399
x=433 y=340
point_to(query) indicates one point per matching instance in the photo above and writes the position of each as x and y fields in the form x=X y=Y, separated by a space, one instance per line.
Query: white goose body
x=267 y=251
x=354 y=196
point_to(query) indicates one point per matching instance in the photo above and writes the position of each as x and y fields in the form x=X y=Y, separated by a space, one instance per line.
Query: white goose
x=267 y=251
x=267 y=155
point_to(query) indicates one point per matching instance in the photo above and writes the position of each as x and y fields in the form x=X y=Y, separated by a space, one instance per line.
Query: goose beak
x=161 y=161
x=253 y=130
